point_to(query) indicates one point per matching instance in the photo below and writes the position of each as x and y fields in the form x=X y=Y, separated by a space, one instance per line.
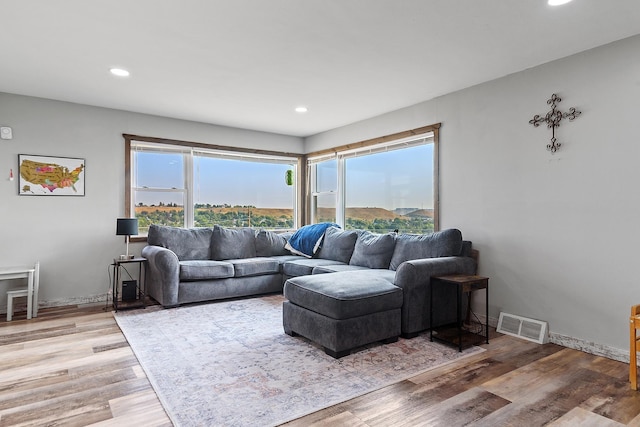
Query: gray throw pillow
x=338 y=244
x=269 y=243
x=415 y=246
x=186 y=243
x=233 y=243
x=373 y=250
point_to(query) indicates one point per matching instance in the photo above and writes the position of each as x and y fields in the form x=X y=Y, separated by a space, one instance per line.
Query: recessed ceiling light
x=120 y=72
x=557 y=2
x=301 y=109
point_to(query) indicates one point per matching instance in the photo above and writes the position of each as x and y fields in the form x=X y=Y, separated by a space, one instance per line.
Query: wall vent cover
x=522 y=327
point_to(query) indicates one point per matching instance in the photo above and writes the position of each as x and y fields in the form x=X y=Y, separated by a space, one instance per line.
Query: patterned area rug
x=229 y=363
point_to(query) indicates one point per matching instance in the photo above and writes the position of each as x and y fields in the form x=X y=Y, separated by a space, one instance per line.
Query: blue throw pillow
x=306 y=241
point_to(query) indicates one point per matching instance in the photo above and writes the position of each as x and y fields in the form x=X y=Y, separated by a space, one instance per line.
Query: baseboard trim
x=589 y=347
x=59 y=302
x=578 y=344
x=73 y=301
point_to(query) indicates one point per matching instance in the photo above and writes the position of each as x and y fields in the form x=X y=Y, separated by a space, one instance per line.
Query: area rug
x=230 y=363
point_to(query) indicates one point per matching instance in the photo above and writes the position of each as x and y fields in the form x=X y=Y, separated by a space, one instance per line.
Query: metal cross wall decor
x=553 y=118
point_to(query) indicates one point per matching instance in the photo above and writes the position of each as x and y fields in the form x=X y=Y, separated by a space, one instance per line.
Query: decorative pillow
x=306 y=240
x=373 y=250
x=233 y=243
x=269 y=243
x=338 y=244
x=414 y=246
x=186 y=243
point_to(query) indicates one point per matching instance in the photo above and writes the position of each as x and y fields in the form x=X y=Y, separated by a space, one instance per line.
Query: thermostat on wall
x=5 y=133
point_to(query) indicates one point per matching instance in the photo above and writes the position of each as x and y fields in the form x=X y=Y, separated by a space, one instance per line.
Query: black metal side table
x=456 y=334
x=123 y=300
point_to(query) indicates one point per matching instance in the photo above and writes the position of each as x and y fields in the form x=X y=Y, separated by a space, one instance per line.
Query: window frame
x=338 y=151
x=129 y=139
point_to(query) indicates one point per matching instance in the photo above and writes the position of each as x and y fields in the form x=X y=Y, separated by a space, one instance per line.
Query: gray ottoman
x=342 y=311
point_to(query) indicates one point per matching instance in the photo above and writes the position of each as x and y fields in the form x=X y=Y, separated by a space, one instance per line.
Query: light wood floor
x=72 y=366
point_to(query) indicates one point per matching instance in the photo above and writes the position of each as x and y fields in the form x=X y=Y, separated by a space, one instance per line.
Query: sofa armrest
x=414 y=277
x=163 y=268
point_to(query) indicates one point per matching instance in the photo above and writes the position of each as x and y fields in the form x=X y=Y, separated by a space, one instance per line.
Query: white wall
x=558 y=234
x=74 y=237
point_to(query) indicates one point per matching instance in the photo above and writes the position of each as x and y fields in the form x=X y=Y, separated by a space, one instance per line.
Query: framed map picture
x=50 y=176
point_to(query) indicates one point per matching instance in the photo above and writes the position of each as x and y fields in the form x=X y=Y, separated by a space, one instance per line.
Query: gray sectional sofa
x=202 y=264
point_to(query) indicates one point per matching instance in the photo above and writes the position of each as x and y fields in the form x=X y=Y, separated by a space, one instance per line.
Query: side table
x=140 y=286
x=456 y=334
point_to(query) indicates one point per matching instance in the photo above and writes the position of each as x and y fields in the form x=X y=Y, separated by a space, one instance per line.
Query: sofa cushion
x=233 y=243
x=334 y=268
x=414 y=246
x=186 y=243
x=304 y=266
x=306 y=240
x=343 y=295
x=338 y=244
x=269 y=243
x=207 y=269
x=383 y=273
x=373 y=250
x=283 y=259
x=254 y=266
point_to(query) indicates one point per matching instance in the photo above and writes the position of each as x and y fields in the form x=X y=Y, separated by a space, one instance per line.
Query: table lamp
x=127 y=227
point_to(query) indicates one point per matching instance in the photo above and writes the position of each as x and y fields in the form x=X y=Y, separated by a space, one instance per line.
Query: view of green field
x=377 y=220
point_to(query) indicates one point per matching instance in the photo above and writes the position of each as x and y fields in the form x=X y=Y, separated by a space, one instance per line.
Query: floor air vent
x=521 y=327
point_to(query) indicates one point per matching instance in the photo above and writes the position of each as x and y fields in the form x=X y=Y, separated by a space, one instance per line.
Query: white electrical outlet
x=6 y=133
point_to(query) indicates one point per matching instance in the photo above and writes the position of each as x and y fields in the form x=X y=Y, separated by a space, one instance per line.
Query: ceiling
x=249 y=63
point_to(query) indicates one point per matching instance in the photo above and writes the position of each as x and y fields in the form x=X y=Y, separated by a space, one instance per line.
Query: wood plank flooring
x=73 y=367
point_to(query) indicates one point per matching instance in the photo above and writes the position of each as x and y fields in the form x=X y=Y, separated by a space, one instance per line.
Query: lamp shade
x=127 y=226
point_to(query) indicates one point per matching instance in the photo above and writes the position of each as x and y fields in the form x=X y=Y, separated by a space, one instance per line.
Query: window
x=159 y=186
x=324 y=182
x=191 y=185
x=253 y=191
x=380 y=185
